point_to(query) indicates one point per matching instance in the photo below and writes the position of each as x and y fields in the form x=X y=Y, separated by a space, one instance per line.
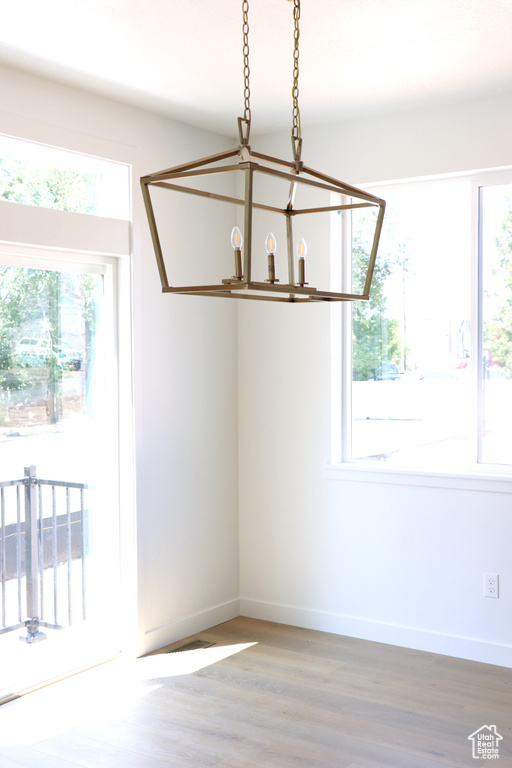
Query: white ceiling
x=183 y=58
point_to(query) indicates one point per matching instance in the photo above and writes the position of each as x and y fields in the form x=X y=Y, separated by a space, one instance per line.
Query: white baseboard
x=380 y=632
x=324 y=621
x=190 y=624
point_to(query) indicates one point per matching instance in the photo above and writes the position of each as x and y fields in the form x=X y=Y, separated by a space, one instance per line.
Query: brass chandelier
x=264 y=177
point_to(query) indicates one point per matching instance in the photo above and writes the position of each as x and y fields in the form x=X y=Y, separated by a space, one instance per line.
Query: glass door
x=59 y=478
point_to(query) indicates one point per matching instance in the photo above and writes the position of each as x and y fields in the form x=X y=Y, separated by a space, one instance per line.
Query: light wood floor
x=264 y=695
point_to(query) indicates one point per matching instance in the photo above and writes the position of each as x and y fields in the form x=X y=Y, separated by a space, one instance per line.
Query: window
x=58 y=414
x=50 y=177
x=64 y=341
x=495 y=340
x=416 y=396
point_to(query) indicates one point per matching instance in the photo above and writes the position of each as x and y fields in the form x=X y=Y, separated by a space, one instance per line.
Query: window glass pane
x=58 y=414
x=364 y=222
x=411 y=394
x=48 y=177
x=496 y=268
x=50 y=353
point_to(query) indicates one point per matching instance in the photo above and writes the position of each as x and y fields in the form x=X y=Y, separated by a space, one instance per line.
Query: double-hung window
x=427 y=362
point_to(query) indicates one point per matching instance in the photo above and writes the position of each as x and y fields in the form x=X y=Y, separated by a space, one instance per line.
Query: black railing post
x=32 y=558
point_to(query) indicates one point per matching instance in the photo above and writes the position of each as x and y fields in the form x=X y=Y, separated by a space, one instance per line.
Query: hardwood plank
x=24 y=757
x=170 y=744
x=295 y=697
x=89 y=753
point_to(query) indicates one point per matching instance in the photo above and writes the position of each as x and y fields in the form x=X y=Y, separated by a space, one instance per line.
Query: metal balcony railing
x=43 y=549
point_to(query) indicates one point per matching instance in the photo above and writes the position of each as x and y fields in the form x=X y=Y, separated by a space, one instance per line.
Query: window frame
x=60 y=260
x=47 y=232
x=106 y=170
x=476 y=475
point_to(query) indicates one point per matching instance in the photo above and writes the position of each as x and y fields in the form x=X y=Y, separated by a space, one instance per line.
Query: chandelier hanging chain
x=292 y=176
x=247 y=71
x=296 y=127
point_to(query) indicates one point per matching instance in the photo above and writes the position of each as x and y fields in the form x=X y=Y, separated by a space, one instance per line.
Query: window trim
x=472 y=480
x=477 y=476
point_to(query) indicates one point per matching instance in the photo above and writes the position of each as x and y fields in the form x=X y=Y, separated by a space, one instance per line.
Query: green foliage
x=30 y=305
x=498 y=333
x=30 y=298
x=22 y=294
x=376 y=338
x=58 y=188
x=12 y=378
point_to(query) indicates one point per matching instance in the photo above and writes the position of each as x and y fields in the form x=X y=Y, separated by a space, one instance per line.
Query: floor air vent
x=195 y=645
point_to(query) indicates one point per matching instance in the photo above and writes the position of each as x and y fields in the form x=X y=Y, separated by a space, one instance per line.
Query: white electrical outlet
x=491 y=585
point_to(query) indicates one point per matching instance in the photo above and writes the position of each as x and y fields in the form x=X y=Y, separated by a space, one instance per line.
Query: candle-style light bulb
x=301 y=251
x=236 y=239
x=302 y=248
x=236 y=242
x=271 y=247
x=270 y=243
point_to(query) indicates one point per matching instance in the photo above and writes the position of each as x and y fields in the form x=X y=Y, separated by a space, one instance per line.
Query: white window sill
x=475 y=480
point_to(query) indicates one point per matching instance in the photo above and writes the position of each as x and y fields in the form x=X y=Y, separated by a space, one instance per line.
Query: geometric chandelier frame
x=251 y=164
x=296 y=181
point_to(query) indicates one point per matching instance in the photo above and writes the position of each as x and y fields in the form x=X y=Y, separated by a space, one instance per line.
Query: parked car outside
x=33 y=352
x=69 y=357
x=387 y=372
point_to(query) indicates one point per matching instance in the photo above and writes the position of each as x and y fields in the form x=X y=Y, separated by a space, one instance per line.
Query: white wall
x=385 y=561
x=185 y=358
x=390 y=562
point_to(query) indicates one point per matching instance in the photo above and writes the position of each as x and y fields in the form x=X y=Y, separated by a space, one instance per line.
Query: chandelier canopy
x=276 y=193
